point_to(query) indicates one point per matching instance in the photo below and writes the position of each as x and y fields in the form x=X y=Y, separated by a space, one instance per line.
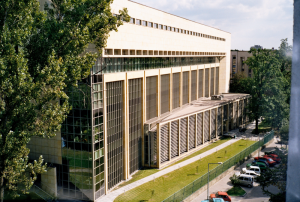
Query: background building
x=237 y=64
x=146 y=103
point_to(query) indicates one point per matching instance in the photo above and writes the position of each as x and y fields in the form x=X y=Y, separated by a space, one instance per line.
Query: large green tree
x=42 y=52
x=268 y=97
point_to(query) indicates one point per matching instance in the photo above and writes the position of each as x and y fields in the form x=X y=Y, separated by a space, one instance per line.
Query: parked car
x=271 y=152
x=214 y=200
x=221 y=194
x=261 y=165
x=270 y=161
x=262 y=161
x=246 y=180
x=256 y=169
x=250 y=172
x=274 y=157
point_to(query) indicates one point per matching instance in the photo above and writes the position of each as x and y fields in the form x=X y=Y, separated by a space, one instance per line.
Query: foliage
x=236 y=191
x=41 y=54
x=276 y=177
x=268 y=96
x=234 y=180
x=240 y=83
x=284 y=134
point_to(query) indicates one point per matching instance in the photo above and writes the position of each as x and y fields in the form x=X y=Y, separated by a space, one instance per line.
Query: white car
x=256 y=169
x=250 y=172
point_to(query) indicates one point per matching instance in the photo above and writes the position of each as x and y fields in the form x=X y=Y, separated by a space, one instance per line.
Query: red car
x=270 y=161
x=274 y=157
x=221 y=194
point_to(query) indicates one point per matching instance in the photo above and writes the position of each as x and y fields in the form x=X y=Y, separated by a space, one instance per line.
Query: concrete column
x=158 y=90
x=158 y=144
x=170 y=140
x=187 y=133
x=171 y=90
x=190 y=85
x=179 y=137
x=196 y=130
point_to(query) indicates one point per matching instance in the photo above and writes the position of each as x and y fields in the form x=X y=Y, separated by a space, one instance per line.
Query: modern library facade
x=148 y=102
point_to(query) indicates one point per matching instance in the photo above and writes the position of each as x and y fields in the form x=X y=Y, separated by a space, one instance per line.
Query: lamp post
x=208 y=179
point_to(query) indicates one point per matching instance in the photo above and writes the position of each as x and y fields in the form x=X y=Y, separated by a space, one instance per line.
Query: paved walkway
x=110 y=197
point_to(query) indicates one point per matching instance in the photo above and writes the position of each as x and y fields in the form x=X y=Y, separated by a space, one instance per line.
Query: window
x=138 y=22
x=173 y=29
x=165 y=27
x=177 y=30
x=150 y=24
x=187 y=32
x=160 y=27
x=169 y=28
x=184 y=31
x=144 y=23
x=155 y=25
x=191 y=33
x=132 y=21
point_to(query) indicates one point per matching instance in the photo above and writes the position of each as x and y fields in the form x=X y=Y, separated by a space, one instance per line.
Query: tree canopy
x=42 y=52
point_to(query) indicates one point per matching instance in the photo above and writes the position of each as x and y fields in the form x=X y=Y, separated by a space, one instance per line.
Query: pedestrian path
x=110 y=197
x=114 y=194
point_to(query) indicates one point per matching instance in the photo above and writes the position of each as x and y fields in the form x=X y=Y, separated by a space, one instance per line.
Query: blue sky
x=250 y=22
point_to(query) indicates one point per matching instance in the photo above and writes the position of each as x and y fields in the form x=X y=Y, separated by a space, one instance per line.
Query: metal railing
x=41 y=193
x=201 y=181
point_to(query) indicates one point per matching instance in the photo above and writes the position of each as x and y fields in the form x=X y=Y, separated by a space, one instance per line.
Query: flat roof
x=202 y=104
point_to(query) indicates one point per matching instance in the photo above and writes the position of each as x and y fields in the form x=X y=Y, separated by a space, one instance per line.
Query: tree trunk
x=256 y=126
x=2 y=189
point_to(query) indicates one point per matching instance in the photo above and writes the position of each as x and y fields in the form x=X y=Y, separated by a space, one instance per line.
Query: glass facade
x=151 y=97
x=217 y=81
x=135 y=124
x=176 y=90
x=123 y=64
x=207 y=82
x=185 y=88
x=200 y=83
x=193 y=85
x=212 y=81
x=75 y=175
x=115 y=131
x=164 y=93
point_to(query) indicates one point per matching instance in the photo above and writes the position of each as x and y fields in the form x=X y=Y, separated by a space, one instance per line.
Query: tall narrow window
x=151 y=97
x=176 y=90
x=193 y=85
x=164 y=93
x=207 y=83
x=212 y=81
x=200 y=83
x=185 y=88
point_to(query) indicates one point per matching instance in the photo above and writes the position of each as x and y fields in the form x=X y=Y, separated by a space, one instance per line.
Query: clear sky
x=250 y=22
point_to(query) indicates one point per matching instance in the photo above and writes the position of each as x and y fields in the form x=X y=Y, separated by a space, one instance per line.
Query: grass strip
x=164 y=186
x=146 y=172
x=236 y=191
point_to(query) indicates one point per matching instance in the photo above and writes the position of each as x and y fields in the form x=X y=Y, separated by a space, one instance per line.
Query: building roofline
x=179 y=16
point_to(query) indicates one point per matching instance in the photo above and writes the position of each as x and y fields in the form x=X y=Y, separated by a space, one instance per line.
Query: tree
x=266 y=90
x=240 y=83
x=41 y=54
x=276 y=177
x=284 y=134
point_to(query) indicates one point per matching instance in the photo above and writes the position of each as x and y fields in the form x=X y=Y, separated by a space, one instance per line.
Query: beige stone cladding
x=49 y=181
x=149 y=40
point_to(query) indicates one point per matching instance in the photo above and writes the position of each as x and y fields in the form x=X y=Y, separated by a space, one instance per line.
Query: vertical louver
x=206 y=126
x=176 y=90
x=219 y=122
x=183 y=134
x=213 y=124
x=185 y=88
x=207 y=83
x=212 y=81
x=164 y=143
x=193 y=85
x=200 y=83
x=164 y=93
x=192 y=132
x=199 y=129
x=217 y=81
x=174 y=139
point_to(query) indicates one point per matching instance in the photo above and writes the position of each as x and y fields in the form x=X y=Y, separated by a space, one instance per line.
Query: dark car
x=274 y=157
x=271 y=152
x=262 y=161
x=269 y=160
x=261 y=165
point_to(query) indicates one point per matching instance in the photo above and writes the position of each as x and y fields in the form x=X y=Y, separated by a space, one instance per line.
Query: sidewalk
x=110 y=197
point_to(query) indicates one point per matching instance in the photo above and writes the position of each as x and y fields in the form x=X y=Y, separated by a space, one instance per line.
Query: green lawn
x=162 y=187
x=236 y=191
x=146 y=172
x=23 y=197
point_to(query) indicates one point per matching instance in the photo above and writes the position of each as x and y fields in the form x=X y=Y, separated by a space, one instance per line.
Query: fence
x=201 y=181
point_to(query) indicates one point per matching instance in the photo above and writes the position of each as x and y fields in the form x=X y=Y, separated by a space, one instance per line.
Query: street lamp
x=208 y=179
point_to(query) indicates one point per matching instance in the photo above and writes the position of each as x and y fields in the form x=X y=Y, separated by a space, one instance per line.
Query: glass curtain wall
x=122 y=64
x=98 y=143
x=151 y=97
x=115 y=131
x=135 y=124
x=194 y=85
x=176 y=91
x=165 y=93
x=76 y=133
x=207 y=83
x=185 y=88
x=200 y=83
x=212 y=81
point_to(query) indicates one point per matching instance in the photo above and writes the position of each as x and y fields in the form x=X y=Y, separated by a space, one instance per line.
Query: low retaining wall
x=214 y=181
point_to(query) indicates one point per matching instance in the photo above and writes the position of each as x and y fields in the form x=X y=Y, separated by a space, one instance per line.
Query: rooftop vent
x=217 y=97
